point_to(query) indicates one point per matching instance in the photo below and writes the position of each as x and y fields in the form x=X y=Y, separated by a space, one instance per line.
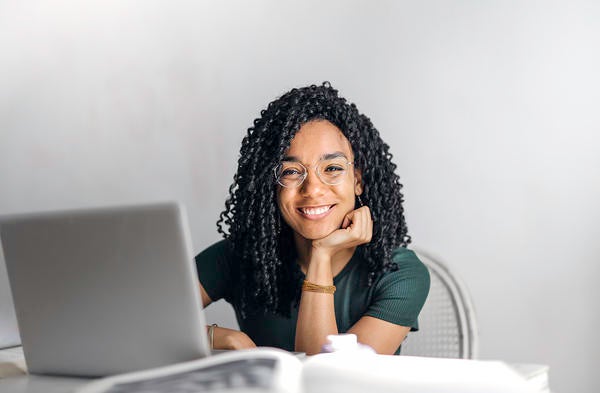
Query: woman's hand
x=357 y=229
x=231 y=339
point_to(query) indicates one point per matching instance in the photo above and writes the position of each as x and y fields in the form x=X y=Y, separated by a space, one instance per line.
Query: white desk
x=24 y=383
x=12 y=378
x=40 y=384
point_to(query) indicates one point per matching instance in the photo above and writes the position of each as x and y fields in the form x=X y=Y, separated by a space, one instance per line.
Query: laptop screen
x=104 y=290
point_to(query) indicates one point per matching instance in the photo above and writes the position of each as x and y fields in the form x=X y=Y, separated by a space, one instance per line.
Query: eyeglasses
x=291 y=174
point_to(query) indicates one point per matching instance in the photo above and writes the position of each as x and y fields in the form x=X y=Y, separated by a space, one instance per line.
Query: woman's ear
x=358 y=187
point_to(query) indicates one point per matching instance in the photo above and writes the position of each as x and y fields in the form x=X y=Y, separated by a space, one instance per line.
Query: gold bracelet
x=211 y=335
x=312 y=287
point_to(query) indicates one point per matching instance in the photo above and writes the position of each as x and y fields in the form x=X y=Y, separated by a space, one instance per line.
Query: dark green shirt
x=396 y=296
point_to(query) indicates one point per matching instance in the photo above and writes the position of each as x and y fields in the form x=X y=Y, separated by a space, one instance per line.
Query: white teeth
x=315 y=211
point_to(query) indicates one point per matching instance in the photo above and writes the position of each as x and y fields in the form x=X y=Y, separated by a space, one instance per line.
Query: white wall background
x=491 y=110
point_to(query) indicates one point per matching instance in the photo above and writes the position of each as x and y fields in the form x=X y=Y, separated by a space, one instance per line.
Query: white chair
x=447 y=326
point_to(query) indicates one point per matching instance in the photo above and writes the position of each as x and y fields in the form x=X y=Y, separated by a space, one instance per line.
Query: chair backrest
x=447 y=325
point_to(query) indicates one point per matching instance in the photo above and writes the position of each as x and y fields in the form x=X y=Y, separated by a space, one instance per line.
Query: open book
x=273 y=370
x=260 y=369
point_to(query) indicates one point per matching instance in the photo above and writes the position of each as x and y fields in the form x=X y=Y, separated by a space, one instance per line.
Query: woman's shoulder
x=218 y=250
x=406 y=258
x=409 y=269
x=215 y=271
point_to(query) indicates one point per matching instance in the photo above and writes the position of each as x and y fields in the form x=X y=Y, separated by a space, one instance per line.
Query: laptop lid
x=104 y=291
x=9 y=332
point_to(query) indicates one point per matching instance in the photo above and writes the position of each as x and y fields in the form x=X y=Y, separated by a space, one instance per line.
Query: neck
x=338 y=260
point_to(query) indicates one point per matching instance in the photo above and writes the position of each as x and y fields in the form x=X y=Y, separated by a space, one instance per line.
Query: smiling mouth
x=315 y=212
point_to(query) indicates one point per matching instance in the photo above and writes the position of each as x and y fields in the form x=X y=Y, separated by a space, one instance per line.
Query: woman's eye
x=333 y=168
x=290 y=172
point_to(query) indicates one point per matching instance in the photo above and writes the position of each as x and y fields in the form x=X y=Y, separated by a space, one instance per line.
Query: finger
x=369 y=225
x=358 y=227
x=365 y=227
x=363 y=224
x=348 y=220
x=366 y=224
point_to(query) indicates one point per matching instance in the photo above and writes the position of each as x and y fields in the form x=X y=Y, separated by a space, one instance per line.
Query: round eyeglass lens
x=291 y=174
x=333 y=171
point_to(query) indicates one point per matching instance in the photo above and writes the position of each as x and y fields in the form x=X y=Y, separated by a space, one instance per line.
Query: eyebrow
x=326 y=156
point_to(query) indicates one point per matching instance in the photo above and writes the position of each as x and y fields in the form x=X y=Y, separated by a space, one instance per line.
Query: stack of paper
x=348 y=373
x=536 y=376
x=12 y=362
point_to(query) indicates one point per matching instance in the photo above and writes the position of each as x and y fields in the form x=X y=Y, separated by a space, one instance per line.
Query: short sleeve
x=214 y=270
x=400 y=295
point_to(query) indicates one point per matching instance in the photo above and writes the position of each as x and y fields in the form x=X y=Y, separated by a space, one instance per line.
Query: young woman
x=315 y=236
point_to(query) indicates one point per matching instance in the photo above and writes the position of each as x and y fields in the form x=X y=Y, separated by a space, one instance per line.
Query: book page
x=243 y=374
x=261 y=369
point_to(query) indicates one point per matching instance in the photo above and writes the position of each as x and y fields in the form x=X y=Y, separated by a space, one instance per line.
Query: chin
x=317 y=233
x=315 y=236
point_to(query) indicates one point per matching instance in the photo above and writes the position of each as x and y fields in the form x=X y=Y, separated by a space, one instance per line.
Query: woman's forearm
x=224 y=338
x=316 y=313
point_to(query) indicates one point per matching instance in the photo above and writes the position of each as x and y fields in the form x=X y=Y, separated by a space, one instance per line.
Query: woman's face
x=315 y=209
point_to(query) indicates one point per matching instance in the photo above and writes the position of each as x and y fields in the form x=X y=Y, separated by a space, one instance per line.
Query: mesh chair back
x=447 y=326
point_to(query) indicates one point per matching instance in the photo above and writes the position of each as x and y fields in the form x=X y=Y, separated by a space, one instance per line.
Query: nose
x=312 y=184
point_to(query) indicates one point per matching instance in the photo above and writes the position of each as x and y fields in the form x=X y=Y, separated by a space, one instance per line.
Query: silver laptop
x=104 y=291
x=9 y=332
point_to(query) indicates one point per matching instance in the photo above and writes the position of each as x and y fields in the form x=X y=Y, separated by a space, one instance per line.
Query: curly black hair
x=267 y=279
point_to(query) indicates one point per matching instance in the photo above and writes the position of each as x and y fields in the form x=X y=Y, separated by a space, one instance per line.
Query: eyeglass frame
x=305 y=175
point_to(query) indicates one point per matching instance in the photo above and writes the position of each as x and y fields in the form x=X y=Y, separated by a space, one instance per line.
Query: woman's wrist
x=224 y=338
x=319 y=271
x=318 y=252
x=308 y=286
x=211 y=335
